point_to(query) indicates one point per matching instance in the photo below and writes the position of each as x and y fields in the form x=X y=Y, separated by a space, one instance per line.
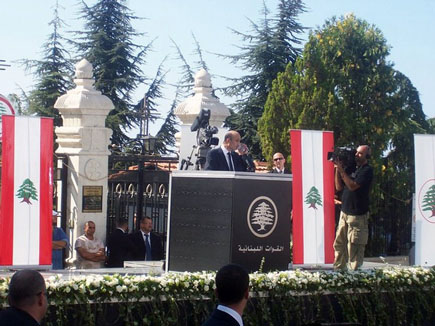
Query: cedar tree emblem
x=313 y=198
x=27 y=191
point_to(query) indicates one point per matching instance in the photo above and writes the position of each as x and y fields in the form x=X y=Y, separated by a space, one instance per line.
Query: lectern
x=216 y=218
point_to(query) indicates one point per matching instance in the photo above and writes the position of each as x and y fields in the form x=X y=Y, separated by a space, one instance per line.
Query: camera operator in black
x=352 y=232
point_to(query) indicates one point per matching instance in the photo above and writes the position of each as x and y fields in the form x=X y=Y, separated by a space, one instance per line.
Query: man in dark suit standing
x=119 y=245
x=232 y=291
x=224 y=158
x=279 y=164
x=148 y=245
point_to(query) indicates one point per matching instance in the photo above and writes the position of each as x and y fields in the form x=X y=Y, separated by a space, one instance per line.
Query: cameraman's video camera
x=205 y=132
x=346 y=156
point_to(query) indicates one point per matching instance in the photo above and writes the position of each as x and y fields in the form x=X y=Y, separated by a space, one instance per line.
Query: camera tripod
x=201 y=155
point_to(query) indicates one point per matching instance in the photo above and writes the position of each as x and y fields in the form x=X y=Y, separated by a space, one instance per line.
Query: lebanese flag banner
x=424 y=151
x=313 y=197
x=27 y=191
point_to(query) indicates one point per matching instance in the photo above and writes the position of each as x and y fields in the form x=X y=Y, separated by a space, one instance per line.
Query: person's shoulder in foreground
x=232 y=291
x=27 y=300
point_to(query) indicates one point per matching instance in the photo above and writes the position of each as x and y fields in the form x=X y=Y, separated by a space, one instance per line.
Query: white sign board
x=5 y=108
x=425 y=199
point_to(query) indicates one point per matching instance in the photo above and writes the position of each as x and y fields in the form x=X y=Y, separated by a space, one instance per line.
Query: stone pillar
x=85 y=140
x=189 y=109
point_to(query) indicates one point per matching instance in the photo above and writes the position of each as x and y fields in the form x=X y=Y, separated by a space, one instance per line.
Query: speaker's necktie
x=147 y=248
x=230 y=162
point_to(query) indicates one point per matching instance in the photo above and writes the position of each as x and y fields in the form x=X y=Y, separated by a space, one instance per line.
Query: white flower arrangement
x=198 y=288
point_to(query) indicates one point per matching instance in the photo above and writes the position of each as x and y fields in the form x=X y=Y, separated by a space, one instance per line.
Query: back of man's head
x=122 y=223
x=232 y=282
x=24 y=288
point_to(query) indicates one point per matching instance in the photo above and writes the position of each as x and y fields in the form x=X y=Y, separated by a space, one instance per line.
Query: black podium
x=216 y=218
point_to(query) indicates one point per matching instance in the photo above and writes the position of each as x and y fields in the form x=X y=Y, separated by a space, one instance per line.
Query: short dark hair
x=121 y=222
x=24 y=288
x=232 y=281
x=143 y=218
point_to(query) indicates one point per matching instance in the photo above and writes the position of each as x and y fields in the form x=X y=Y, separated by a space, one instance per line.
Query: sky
x=408 y=27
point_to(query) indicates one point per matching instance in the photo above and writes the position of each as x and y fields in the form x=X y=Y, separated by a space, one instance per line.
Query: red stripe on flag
x=7 y=196
x=328 y=191
x=298 y=222
x=46 y=191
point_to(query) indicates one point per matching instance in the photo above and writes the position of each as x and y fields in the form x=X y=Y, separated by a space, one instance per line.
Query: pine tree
x=107 y=44
x=166 y=136
x=52 y=73
x=27 y=191
x=265 y=53
x=313 y=197
x=429 y=201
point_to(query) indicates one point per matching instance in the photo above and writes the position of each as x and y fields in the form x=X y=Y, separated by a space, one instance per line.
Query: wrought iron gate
x=123 y=198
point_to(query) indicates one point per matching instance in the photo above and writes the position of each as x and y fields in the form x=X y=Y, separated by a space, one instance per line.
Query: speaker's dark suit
x=217 y=161
x=139 y=244
x=220 y=318
x=275 y=171
x=119 y=248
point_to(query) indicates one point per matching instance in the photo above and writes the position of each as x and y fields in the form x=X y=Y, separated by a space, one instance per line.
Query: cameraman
x=352 y=231
x=224 y=158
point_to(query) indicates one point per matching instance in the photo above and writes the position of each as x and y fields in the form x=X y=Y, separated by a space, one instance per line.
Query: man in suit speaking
x=224 y=158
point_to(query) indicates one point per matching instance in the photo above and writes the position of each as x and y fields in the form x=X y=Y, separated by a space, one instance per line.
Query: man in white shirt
x=90 y=250
x=232 y=291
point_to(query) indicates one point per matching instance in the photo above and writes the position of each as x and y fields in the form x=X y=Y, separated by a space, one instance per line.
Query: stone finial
x=83 y=110
x=202 y=79
x=83 y=69
x=203 y=97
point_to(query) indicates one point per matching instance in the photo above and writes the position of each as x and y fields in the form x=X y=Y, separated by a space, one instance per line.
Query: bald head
x=231 y=140
x=362 y=154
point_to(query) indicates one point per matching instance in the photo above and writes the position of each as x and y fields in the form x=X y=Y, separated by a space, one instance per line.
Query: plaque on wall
x=92 y=199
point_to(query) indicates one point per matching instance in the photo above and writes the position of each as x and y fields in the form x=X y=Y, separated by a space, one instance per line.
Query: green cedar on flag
x=313 y=197
x=428 y=203
x=27 y=191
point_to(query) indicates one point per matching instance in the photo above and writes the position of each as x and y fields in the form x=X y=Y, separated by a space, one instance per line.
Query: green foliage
x=265 y=52
x=344 y=83
x=107 y=44
x=52 y=74
x=431 y=123
x=166 y=136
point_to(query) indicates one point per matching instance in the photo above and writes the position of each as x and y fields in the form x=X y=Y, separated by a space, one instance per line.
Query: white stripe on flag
x=312 y=175
x=424 y=148
x=26 y=216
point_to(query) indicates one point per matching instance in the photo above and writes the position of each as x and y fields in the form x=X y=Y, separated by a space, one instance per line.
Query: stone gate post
x=84 y=139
